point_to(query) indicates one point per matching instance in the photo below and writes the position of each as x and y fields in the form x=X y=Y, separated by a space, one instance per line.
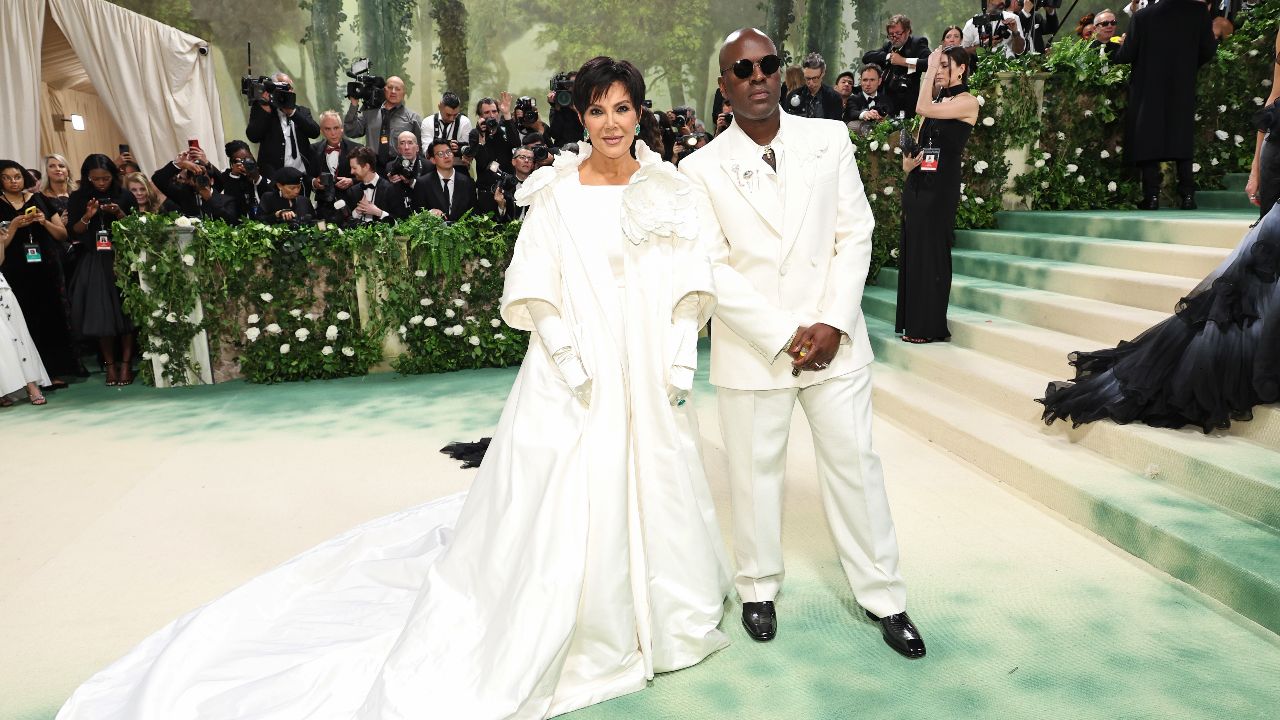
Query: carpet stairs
x=1204 y=509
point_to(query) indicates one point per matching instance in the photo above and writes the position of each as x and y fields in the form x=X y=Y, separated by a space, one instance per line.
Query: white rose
x=1078 y=151
x=484 y=263
x=979 y=200
x=403 y=331
x=171 y=317
x=189 y=260
x=1062 y=135
x=961 y=187
x=1119 y=149
x=982 y=102
x=1079 y=178
x=980 y=166
x=142 y=219
x=284 y=349
x=156 y=342
x=274 y=329
x=183 y=222
x=1258 y=101
x=457 y=329
x=875 y=145
x=163 y=358
x=252 y=334
x=1104 y=154
x=988 y=121
x=474 y=340
x=331 y=332
x=1072 y=168
x=344 y=315
x=157 y=313
x=449 y=313
x=1046 y=156
x=1044 y=185
x=296 y=313
x=499 y=336
x=312 y=317
x=893 y=253
x=1111 y=186
x=1039 y=163
x=1088 y=113
x=252 y=319
x=147 y=355
x=302 y=334
x=1221 y=134
x=420 y=273
x=1106 y=101
x=1253 y=52
x=1195 y=167
x=267 y=297
x=496 y=323
x=1197 y=117
x=458 y=302
x=425 y=302
x=326 y=350
x=896 y=150
x=430 y=322
x=349 y=351
x=415 y=320
x=466 y=287
x=1213 y=161
x=964 y=198
x=1237 y=139
x=888 y=190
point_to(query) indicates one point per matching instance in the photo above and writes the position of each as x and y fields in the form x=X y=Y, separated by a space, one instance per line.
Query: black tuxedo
x=315 y=159
x=826 y=104
x=429 y=194
x=241 y=191
x=496 y=148
x=416 y=169
x=387 y=196
x=272 y=203
x=184 y=198
x=902 y=96
x=859 y=102
x=273 y=144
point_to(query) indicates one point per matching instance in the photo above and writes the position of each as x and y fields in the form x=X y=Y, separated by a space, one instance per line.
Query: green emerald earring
x=637 y=129
x=586 y=137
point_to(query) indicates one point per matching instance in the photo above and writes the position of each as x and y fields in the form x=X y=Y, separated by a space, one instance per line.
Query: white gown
x=585 y=557
x=19 y=360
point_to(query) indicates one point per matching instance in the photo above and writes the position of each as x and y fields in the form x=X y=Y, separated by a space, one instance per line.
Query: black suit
x=387 y=197
x=826 y=104
x=183 y=198
x=859 y=102
x=317 y=166
x=272 y=203
x=241 y=190
x=903 y=99
x=429 y=194
x=410 y=175
x=274 y=145
x=496 y=148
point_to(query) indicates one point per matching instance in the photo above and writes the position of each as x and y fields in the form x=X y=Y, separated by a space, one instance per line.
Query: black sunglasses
x=768 y=65
x=1106 y=23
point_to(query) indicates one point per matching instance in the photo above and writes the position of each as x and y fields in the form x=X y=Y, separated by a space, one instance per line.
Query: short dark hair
x=899 y=19
x=814 y=61
x=482 y=102
x=364 y=156
x=431 y=146
x=532 y=139
x=871 y=66
x=450 y=100
x=234 y=147
x=598 y=74
x=27 y=180
x=98 y=161
x=849 y=74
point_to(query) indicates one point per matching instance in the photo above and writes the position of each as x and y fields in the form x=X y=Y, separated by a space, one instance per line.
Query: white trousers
x=755 y=426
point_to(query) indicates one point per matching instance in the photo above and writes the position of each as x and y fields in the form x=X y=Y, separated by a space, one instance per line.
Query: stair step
x=1205 y=228
x=1224 y=199
x=1133 y=288
x=1228 y=471
x=1180 y=260
x=1224 y=556
x=1236 y=181
x=1036 y=347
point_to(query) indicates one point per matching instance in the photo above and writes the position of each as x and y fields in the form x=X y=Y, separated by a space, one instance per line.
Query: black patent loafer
x=900 y=634
x=760 y=620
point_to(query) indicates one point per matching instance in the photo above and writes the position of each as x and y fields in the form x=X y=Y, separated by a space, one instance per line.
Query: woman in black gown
x=1264 y=177
x=32 y=265
x=96 y=308
x=932 y=195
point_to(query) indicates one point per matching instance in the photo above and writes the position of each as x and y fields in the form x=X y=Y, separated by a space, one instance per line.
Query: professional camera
x=1055 y=4
x=542 y=152
x=464 y=150
x=250 y=166
x=681 y=116
x=529 y=107
x=328 y=192
x=562 y=87
x=490 y=126
x=688 y=143
x=982 y=23
x=504 y=181
x=365 y=87
x=282 y=95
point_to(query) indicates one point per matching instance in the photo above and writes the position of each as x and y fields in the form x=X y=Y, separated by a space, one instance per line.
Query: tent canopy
x=156 y=82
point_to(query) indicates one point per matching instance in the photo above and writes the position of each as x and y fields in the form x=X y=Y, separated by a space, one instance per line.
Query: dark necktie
x=293 y=140
x=448 y=202
x=769 y=158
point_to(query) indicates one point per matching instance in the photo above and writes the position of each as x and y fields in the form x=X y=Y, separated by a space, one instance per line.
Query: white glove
x=574 y=374
x=559 y=342
x=680 y=384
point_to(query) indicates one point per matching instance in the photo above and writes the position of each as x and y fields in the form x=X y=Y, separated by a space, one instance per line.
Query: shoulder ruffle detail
x=544 y=177
x=659 y=203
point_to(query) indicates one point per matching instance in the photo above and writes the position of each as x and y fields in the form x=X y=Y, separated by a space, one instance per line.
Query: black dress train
x=929 y=205
x=1209 y=364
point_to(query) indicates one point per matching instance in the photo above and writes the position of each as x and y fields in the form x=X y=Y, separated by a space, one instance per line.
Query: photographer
x=525 y=115
x=408 y=165
x=566 y=126
x=725 y=117
x=382 y=125
x=868 y=105
x=328 y=165
x=243 y=182
x=287 y=204
x=501 y=201
x=448 y=124
x=188 y=184
x=902 y=58
x=281 y=127
x=1036 y=25
x=814 y=99
x=686 y=144
x=995 y=29
x=543 y=154
x=493 y=140
x=444 y=191
x=372 y=198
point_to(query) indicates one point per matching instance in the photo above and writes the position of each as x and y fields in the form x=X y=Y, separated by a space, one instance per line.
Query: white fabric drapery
x=158 y=86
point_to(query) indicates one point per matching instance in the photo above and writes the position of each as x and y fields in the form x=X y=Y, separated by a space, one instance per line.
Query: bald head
x=731 y=50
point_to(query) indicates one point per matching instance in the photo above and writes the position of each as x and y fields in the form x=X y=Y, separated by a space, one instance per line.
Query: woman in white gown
x=20 y=365
x=585 y=557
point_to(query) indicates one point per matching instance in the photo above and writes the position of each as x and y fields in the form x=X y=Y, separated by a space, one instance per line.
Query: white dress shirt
x=970 y=34
x=293 y=147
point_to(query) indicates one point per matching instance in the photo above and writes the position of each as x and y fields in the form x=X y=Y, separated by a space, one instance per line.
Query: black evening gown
x=39 y=288
x=928 y=231
x=96 y=307
x=1208 y=364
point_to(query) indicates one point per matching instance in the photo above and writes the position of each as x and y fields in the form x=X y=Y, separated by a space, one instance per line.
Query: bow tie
x=328 y=150
x=369 y=186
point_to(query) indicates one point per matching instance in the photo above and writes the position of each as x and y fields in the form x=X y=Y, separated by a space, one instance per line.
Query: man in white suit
x=790 y=256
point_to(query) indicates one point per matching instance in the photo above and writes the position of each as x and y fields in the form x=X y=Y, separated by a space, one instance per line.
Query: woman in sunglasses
x=585 y=557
